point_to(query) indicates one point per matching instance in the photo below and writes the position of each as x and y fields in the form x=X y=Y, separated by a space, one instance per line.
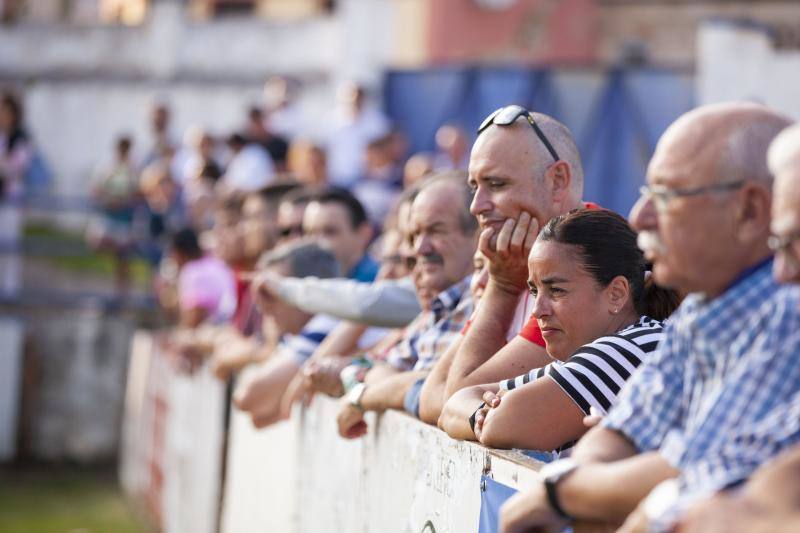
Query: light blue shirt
x=721 y=394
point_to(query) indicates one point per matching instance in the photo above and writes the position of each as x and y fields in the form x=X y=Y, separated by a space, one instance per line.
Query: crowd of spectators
x=651 y=362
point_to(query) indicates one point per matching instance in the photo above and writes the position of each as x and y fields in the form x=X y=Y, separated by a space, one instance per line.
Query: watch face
x=554 y=471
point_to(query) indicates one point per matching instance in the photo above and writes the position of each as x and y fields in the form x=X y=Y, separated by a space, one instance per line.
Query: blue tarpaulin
x=616 y=115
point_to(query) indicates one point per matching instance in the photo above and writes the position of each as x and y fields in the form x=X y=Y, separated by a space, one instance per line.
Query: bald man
x=522 y=176
x=722 y=393
x=770 y=501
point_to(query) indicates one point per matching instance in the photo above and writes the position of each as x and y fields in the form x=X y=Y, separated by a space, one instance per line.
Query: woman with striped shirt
x=599 y=316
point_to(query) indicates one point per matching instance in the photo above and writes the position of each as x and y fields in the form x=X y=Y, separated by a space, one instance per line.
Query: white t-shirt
x=250 y=169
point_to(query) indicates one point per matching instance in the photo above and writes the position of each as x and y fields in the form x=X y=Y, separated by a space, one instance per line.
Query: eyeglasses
x=661 y=196
x=289 y=231
x=784 y=246
x=506 y=116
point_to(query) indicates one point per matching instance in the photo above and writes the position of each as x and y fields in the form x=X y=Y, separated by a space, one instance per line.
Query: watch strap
x=552 y=498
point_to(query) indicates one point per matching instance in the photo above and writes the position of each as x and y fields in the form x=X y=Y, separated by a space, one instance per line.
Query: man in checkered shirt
x=720 y=395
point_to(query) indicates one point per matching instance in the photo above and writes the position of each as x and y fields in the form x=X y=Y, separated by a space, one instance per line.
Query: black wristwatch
x=552 y=474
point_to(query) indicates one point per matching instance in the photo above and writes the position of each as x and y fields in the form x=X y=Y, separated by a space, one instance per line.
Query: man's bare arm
x=431 y=397
x=390 y=392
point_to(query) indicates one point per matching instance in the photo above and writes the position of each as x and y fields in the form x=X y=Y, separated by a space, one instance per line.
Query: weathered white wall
x=739 y=62
x=298 y=475
x=11 y=342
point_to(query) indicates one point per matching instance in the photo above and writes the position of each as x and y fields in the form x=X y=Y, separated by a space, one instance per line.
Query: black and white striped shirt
x=595 y=373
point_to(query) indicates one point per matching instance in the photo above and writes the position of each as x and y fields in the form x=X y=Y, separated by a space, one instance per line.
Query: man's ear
x=560 y=176
x=618 y=293
x=753 y=213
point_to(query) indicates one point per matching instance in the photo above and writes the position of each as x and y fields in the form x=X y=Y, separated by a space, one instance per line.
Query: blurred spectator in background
x=418 y=166
x=162 y=142
x=115 y=191
x=206 y=286
x=164 y=214
x=199 y=159
x=256 y=131
x=249 y=168
x=16 y=153
x=284 y=117
x=337 y=220
x=354 y=125
x=290 y=214
x=453 y=148
x=382 y=181
x=307 y=164
x=300 y=333
x=444 y=235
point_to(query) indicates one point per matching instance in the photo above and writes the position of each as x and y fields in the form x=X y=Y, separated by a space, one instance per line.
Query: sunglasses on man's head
x=506 y=116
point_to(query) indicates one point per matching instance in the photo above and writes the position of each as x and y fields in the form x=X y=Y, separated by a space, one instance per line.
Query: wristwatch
x=552 y=474
x=355 y=394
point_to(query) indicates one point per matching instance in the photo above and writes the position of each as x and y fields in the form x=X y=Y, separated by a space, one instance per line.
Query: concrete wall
x=78 y=365
x=298 y=475
x=740 y=62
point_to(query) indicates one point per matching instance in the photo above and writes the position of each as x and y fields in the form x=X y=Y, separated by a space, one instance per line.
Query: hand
x=351 y=421
x=264 y=288
x=529 y=511
x=297 y=391
x=507 y=252
x=323 y=375
x=491 y=400
x=593 y=418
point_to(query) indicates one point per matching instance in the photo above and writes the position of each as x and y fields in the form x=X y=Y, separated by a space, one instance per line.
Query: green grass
x=82 y=259
x=63 y=500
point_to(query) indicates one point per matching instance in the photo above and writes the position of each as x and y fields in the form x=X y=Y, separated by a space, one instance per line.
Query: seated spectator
x=380 y=186
x=257 y=132
x=290 y=215
x=336 y=219
x=522 y=178
x=115 y=190
x=250 y=167
x=444 y=236
x=164 y=214
x=711 y=405
x=300 y=332
x=418 y=167
x=770 y=500
x=599 y=318
x=453 y=148
x=353 y=125
x=206 y=286
x=388 y=302
x=306 y=163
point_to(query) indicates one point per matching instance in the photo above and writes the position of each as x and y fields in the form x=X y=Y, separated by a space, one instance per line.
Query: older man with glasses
x=524 y=169
x=770 y=501
x=719 y=397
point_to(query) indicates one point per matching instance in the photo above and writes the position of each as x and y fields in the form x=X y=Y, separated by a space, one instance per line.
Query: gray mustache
x=430 y=259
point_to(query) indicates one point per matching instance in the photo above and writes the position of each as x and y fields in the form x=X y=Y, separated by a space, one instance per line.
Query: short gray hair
x=744 y=154
x=785 y=149
x=565 y=146
x=305 y=258
x=457 y=178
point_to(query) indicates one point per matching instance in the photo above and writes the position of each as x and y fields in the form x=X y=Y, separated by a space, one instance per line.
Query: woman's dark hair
x=14 y=106
x=185 y=242
x=608 y=249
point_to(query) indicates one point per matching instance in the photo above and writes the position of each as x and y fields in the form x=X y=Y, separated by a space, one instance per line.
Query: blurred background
x=90 y=74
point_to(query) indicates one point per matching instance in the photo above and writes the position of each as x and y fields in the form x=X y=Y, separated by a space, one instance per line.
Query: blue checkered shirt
x=430 y=334
x=721 y=394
